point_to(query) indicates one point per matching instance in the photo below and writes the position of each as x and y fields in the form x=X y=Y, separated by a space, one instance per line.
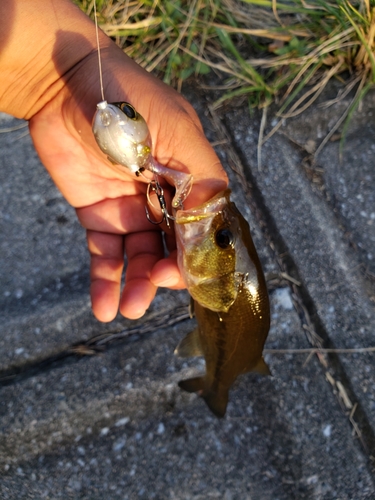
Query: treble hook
x=156 y=187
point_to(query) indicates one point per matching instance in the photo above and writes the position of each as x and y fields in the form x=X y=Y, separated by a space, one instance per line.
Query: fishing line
x=99 y=55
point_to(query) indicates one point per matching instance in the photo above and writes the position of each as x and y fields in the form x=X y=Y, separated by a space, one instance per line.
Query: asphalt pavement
x=91 y=410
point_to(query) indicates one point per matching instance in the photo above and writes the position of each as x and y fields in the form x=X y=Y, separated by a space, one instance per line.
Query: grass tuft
x=267 y=50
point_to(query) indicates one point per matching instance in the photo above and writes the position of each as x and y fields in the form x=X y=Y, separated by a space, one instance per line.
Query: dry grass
x=266 y=50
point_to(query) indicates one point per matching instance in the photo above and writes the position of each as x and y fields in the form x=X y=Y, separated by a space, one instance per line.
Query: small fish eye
x=224 y=238
x=128 y=110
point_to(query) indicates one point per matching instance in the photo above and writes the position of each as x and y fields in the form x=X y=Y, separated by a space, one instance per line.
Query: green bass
x=223 y=275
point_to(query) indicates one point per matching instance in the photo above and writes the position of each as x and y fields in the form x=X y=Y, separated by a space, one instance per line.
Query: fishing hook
x=156 y=187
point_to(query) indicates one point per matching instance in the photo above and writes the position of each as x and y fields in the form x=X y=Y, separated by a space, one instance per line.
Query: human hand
x=109 y=200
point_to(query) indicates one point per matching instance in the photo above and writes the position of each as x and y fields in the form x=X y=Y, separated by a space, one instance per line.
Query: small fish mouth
x=206 y=210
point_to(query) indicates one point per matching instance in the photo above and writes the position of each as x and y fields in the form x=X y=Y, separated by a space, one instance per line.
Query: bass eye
x=128 y=110
x=224 y=238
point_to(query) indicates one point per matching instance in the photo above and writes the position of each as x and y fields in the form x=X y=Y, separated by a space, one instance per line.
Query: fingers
x=187 y=149
x=167 y=274
x=107 y=261
x=106 y=223
x=143 y=251
x=118 y=215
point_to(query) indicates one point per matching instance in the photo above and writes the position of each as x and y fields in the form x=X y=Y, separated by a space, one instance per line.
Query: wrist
x=43 y=43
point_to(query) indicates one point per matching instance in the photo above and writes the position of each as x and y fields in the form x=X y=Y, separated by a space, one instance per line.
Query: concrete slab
x=117 y=425
x=315 y=249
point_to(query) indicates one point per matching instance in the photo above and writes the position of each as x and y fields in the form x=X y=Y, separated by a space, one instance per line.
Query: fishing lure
x=123 y=135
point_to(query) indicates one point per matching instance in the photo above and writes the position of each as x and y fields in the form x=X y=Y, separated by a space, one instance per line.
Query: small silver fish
x=123 y=135
x=223 y=274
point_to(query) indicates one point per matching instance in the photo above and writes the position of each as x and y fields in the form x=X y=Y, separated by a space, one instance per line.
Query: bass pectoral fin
x=195 y=384
x=262 y=368
x=189 y=346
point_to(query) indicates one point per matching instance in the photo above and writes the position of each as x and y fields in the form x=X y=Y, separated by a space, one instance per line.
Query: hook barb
x=156 y=187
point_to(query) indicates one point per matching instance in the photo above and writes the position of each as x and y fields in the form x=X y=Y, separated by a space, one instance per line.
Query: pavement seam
x=309 y=166
x=92 y=346
x=316 y=333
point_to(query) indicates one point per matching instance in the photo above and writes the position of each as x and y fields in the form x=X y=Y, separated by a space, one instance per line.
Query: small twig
x=308 y=359
x=330 y=379
x=313 y=350
x=275 y=13
x=341 y=119
x=342 y=94
x=93 y=346
x=219 y=143
x=356 y=429
x=344 y=396
x=13 y=129
x=289 y=278
x=21 y=136
x=315 y=91
x=260 y=139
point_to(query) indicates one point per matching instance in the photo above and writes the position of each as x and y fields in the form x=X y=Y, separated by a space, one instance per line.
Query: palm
x=109 y=201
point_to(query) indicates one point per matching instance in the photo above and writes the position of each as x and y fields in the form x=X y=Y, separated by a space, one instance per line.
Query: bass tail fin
x=216 y=401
